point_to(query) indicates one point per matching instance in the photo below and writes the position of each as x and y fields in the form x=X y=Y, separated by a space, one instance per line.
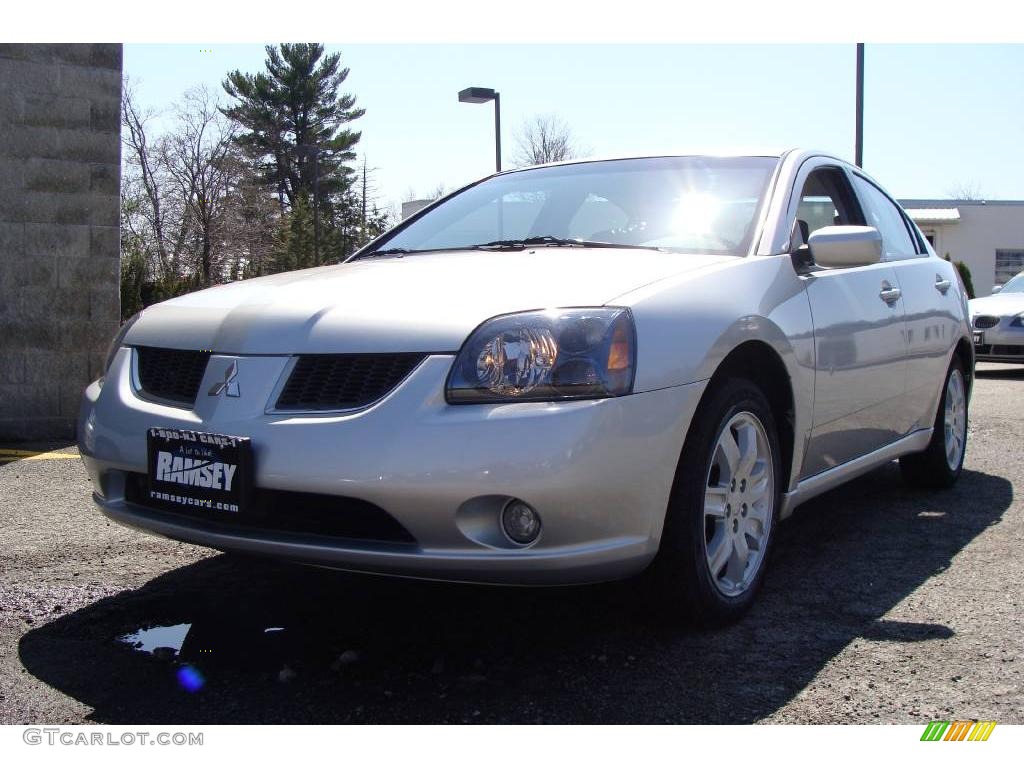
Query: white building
x=987 y=235
x=409 y=207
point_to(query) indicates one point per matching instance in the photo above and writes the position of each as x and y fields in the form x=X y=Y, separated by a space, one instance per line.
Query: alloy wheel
x=738 y=504
x=955 y=419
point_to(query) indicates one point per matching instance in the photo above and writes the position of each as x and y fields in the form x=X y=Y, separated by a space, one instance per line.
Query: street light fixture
x=482 y=96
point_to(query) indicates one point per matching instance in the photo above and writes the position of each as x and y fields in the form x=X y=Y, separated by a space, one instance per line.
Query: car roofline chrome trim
x=818 y=484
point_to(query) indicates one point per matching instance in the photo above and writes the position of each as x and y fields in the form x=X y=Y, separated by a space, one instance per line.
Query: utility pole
x=859 y=134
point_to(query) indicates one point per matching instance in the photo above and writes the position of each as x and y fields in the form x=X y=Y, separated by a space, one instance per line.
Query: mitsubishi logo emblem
x=229 y=386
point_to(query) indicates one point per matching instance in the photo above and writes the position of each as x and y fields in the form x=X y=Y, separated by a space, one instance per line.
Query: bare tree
x=193 y=210
x=142 y=181
x=544 y=139
x=198 y=210
x=965 y=191
x=247 y=223
x=195 y=156
x=435 y=194
x=373 y=218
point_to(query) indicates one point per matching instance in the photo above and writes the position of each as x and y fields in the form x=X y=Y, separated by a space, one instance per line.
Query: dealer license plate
x=197 y=471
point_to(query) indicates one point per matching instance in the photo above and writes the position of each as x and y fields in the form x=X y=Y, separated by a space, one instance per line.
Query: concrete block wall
x=60 y=154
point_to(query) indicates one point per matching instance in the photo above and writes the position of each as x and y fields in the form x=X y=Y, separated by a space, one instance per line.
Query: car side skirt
x=818 y=484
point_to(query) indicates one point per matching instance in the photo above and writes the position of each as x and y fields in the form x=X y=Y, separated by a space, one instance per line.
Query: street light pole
x=481 y=96
x=859 y=131
x=497 y=131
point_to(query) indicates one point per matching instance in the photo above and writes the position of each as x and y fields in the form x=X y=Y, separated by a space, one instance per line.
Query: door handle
x=888 y=294
x=941 y=284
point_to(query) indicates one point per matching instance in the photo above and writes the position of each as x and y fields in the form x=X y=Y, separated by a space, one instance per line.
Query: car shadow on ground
x=278 y=643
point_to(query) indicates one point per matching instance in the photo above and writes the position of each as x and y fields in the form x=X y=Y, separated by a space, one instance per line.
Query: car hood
x=999 y=304
x=419 y=303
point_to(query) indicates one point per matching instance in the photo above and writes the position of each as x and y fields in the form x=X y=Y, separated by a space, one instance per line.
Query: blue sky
x=936 y=116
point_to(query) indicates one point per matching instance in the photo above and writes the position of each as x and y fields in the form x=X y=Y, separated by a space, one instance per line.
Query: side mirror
x=996 y=288
x=838 y=247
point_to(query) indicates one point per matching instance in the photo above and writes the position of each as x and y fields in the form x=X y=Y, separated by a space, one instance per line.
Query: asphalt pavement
x=884 y=604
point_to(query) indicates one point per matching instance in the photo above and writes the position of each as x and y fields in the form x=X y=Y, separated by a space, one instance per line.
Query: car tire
x=941 y=463
x=718 y=509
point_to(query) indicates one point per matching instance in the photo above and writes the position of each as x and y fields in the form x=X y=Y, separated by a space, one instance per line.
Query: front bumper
x=599 y=472
x=1002 y=343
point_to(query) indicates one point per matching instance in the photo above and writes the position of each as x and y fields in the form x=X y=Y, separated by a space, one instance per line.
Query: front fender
x=688 y=324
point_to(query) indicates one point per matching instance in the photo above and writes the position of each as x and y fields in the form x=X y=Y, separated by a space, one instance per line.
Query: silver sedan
x=998 y=323
x=562 y=374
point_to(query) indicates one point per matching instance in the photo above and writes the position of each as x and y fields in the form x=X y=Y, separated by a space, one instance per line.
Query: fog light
x=520 y=522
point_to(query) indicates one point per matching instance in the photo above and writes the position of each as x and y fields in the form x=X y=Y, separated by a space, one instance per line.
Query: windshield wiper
x=511 y=244
x=386 y=252
x=526 y=242
x=399 y=252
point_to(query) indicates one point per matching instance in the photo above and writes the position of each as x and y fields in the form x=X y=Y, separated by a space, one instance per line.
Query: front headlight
x=115 y=344
x=559 y=354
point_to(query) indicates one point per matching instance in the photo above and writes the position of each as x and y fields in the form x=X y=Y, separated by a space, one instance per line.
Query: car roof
x=774 y=152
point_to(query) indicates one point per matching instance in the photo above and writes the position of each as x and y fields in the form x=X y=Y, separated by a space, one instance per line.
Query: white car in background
x=561 y=374
x=998 y=323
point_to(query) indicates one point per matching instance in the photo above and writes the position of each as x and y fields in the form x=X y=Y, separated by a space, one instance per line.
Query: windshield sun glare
x=679 y=204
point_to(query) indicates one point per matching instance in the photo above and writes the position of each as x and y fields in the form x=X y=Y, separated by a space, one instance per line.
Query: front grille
x=986 y=321
x=171 y=374
x=286 y=512
x=340 y=382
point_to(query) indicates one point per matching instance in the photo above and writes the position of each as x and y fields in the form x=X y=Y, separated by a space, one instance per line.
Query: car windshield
x=680 y=204
x=1014 y=285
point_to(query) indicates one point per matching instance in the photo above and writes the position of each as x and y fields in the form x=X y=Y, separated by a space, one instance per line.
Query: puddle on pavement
x=148 y=640
x=307 y=630
x=189 y=642
x=208 y=649
x=230 y=643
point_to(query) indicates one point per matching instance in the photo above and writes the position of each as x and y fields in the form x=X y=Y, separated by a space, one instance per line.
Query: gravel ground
x=883 y=605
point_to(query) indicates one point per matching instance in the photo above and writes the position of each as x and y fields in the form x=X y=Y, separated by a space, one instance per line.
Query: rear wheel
x=722 y=513
x=940 y=464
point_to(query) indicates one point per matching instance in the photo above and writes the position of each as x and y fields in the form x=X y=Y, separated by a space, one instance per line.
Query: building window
x=1008 y=263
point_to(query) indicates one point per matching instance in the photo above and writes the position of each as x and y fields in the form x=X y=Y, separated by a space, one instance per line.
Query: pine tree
x=965 y=276
x=293 y=106
x=293 y=243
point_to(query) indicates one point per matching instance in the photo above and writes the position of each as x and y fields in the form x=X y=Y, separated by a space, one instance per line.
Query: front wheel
x=941 y=463
x=721 y=517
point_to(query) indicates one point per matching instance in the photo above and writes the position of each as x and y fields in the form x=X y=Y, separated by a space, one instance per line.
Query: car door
x=860 y=349
x=930 y=298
